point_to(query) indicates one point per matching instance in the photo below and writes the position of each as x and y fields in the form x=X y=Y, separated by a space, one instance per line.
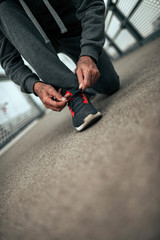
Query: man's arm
x=91 y=15
x=14 y=67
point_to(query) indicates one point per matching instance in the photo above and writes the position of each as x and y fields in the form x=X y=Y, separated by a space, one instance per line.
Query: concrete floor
x=101 y=184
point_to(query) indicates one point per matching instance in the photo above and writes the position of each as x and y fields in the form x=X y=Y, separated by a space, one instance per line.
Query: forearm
x=14 y=66
x=91 y=15
x=20 y=74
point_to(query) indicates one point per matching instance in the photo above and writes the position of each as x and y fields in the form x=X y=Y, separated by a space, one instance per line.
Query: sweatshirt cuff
x=90 y=51
x=29 y=84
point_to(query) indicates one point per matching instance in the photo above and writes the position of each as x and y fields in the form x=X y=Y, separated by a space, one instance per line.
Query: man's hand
x=50 y=97
x=87 y=72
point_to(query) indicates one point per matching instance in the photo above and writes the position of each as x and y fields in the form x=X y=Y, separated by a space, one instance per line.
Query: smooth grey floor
x=101 y=184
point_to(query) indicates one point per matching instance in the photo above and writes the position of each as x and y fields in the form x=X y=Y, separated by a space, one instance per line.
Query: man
x=38 y=30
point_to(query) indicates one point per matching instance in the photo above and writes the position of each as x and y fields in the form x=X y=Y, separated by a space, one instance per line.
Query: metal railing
x=16 y=112
x=130 y=24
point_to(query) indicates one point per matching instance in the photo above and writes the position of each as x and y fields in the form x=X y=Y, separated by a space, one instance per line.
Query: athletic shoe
x=83 y=112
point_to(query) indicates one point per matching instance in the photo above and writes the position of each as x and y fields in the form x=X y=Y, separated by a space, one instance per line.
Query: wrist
x=37 y=86
x=88 y=57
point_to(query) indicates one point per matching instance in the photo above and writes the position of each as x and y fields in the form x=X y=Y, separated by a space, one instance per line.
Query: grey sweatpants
x=23 y=35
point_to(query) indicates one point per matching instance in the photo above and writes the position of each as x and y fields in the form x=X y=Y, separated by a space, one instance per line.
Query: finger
x=97 y=76
x=56 y=95
x=54 y=105
x=75 y=70
x=94 y=78
x=87 y=79
x=64 y=98
x=60 y=90
x=59 y=107
x=54 y=109
x=67 y=96
x=80 y=78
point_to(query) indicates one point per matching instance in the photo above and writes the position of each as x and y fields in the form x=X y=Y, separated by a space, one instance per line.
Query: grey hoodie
x=87 y=15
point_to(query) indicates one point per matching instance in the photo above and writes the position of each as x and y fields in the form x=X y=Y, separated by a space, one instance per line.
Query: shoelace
x=76 y=101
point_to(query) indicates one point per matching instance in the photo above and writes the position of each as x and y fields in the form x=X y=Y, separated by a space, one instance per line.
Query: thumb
x=64 y=98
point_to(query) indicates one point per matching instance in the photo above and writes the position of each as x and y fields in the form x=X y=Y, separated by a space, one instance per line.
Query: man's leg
x=108 y=83
x=24 y=36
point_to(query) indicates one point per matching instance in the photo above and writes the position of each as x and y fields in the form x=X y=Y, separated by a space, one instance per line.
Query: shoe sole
x=89 y=120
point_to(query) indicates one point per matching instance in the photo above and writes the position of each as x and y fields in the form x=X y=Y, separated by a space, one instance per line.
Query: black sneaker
x=83 y=112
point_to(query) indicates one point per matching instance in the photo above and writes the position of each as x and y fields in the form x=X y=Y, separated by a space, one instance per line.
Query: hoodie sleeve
x=91 y=15
x=14 y=67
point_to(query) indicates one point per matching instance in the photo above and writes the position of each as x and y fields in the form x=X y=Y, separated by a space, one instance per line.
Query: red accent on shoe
x=85 y=100
x=71 y=111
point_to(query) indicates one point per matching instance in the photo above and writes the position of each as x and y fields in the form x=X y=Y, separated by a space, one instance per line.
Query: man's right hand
x=50 y=97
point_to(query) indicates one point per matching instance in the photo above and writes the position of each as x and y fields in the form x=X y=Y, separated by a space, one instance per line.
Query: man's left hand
x=87 y=72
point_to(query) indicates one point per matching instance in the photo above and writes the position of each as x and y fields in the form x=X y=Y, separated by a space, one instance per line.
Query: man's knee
x=115 y=85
